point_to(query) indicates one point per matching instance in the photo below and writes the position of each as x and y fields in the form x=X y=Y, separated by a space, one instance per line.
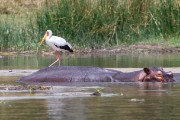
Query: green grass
x=97 y=24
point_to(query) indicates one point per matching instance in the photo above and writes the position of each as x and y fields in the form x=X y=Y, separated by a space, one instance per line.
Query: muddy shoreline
x=123 y=49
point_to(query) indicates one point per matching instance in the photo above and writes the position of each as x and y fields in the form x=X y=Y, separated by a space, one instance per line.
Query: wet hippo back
x=95 y=74
x=70 y=74
x=126 y=77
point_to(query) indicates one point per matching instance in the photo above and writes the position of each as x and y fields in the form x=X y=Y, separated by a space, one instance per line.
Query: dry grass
x=18 y=11
x=19 y=6
x=29 y=6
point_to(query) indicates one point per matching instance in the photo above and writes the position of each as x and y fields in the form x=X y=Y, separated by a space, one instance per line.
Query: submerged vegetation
x=92 y=23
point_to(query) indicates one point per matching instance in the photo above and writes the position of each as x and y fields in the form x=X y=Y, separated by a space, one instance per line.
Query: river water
x=122 y=101
x=112 y=61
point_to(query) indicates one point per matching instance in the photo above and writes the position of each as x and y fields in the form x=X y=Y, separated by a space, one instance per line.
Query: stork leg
x=58 y=58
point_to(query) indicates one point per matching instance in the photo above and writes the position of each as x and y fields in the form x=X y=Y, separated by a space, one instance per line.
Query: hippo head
x=154 y=74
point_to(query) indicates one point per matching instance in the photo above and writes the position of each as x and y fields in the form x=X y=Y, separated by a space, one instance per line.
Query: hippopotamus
x=59 y=74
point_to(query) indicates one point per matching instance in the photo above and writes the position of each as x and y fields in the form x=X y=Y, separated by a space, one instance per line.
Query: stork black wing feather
x=65 y=47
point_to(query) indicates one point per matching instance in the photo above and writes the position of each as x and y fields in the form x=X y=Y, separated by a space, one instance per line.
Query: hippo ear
x=147 y=70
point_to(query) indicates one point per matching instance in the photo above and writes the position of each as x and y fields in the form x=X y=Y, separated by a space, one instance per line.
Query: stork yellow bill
x=57 y=44
x=43 y=39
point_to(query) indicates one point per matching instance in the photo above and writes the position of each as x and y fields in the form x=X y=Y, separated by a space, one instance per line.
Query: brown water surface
x=120 y=101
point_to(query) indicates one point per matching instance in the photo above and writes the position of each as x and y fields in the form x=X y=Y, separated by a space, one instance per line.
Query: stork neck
x=48 y=37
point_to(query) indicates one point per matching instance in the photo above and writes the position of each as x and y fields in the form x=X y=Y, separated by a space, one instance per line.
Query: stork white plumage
x=57 y=43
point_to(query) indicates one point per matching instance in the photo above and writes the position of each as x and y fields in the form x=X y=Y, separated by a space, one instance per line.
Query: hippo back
x=70 y=74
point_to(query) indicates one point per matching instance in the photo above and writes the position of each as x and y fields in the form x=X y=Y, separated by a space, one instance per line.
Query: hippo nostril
x=157 y=78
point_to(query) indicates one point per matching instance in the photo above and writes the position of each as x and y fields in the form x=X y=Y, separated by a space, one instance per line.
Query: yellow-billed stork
x=57 y=43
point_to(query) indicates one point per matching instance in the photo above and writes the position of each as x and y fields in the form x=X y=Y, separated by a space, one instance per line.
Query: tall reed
x=17 y=38
x=95 y=23
x=103 y=23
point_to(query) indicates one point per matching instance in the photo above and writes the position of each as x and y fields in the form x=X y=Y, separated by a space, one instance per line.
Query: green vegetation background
x=92 y=24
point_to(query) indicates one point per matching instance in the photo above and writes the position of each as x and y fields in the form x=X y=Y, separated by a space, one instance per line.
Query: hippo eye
x=159 y=73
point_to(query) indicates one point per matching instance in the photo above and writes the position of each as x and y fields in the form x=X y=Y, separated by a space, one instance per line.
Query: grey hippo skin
x=57 y=74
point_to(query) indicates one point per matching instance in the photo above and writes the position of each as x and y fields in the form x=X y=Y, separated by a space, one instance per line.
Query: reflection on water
x=118 y=101
x=119 y=60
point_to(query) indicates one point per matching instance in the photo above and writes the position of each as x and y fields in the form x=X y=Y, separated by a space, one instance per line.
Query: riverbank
x=135 y=48
x=123 y=49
